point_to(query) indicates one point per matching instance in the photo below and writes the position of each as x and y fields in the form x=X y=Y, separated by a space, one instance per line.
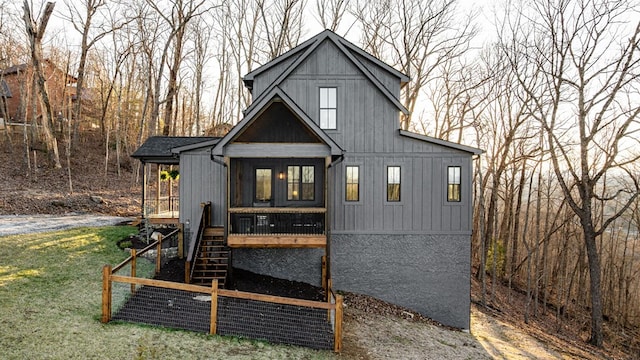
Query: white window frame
x=328 y=113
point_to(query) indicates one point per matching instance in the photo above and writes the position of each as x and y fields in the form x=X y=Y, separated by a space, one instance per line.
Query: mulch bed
x=276 y=323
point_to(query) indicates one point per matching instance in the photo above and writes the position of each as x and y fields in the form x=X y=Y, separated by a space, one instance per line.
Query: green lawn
x=50 y=294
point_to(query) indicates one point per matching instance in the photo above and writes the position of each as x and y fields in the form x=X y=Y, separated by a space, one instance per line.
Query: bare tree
x=331 y=12
x=570 y=61
x=82 y=16
x=281 y=25
x=177 y=19
x=35 y=33
x=201 y=40
x=416 y=37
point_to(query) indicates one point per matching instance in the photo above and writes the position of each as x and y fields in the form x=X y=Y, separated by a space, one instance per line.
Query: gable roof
x=14 y=69
x=449 y=144
x=159 y=149
x=276 y=94
x=305 y=49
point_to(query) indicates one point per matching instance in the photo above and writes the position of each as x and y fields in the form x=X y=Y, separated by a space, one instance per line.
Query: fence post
x=158 y=253
x=106 y=293
x=324 y=273
x=133 y=268
x=337 y=332
x=181 y=241
x=214 y=306
x=187 y=272
x=329 y=297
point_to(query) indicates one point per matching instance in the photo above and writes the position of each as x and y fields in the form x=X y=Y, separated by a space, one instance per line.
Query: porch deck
x=277 y=227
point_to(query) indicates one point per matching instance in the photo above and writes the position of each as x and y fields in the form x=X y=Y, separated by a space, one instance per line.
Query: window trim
x=450 y=182
x=300 y=182
x=347 y=183
x=399 y=183
x=255 y=185
x=320 y=108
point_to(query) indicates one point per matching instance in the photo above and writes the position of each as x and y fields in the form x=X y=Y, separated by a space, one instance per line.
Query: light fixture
x=281 y=175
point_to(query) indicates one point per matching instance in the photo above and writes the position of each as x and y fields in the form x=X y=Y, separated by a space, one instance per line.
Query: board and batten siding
x=201 y=180
x=262 y=81
x=423 y=207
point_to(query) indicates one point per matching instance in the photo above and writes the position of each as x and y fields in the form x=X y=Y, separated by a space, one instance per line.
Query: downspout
x=328 y=215
x=225 y=164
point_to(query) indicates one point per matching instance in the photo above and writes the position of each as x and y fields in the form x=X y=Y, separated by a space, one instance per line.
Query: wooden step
x=214 y=231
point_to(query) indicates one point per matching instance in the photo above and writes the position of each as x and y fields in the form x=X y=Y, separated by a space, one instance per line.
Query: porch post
x=157 y=188
x=144 y=187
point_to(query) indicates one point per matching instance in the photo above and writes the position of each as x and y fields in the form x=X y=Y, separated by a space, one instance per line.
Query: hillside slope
x=45 y=190
x=498 y=328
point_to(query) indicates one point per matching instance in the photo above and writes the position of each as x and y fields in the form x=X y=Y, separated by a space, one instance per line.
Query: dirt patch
x=42 y=189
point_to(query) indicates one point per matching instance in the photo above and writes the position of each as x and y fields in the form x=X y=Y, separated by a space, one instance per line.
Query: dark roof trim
x=441 y=142
x=275 y=94
x=310 y=45
x=158 y=149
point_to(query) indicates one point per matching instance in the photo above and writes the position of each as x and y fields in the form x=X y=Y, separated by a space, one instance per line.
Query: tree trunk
x=594 y=281
x=35 y=34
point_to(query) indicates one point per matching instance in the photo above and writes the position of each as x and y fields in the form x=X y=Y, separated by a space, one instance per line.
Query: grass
x=50 y=294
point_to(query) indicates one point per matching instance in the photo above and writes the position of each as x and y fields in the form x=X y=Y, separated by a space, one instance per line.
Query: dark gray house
x=318 y=171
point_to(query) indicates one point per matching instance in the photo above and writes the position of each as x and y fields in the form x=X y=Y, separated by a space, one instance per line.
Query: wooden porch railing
x=203 y=222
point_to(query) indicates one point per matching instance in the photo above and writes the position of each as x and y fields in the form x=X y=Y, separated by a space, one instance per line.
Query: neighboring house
x=60 y=86
x=318 y=167
x=5 y=94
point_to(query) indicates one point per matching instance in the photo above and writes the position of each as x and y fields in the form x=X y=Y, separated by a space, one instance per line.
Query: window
x=352 y=189
x=393 y=183
x=300 y=183
x=328 y=108
x=453 y=184
x=263 y=184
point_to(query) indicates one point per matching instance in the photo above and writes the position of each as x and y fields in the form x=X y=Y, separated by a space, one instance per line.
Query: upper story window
x=352 y=188
x=393 y=183
x=328 y=107
x=263 y=184
x=453 y=184
x=300 y=182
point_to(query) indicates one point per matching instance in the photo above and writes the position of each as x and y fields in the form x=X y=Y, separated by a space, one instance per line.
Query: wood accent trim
x=214 y=231
x=163 y=221
x=214 y=307
x=275 y=299
x=106 y=294
x=276 y=241
x=277 y=210
x=337 y=331
x=161 y=283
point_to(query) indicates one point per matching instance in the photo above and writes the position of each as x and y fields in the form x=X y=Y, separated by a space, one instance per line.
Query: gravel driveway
x=26 y=224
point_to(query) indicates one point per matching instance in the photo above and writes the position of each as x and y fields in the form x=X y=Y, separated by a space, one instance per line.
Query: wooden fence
x=333 y=305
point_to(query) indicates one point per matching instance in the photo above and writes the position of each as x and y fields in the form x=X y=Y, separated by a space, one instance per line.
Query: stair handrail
x=203 y=222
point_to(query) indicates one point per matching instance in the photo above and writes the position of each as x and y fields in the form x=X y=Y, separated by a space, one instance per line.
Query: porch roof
x=157 y=149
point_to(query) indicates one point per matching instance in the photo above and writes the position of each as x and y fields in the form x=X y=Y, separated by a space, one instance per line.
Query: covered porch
x=277 y=202
x=277 y=162
x=160 y=201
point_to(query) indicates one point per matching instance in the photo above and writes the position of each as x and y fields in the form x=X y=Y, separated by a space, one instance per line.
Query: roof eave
x=449 y=144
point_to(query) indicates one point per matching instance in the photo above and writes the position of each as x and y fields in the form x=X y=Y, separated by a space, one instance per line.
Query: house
x=317 y=182
x=5 y=94
x=61 y=88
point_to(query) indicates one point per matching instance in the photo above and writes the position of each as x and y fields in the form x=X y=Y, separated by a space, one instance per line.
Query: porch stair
x=212 y=261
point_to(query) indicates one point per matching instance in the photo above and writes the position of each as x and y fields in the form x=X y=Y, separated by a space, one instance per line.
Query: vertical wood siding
x=201 y=180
